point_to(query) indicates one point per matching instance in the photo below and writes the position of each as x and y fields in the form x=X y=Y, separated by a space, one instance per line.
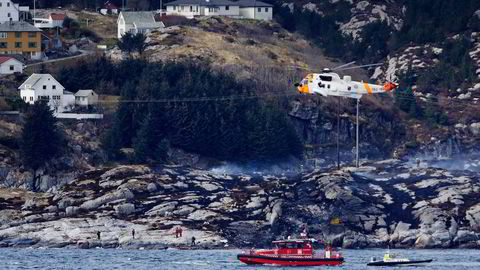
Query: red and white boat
x=292 y=252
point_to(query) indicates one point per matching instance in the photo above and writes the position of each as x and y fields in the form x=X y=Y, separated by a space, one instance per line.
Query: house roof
x=65 y=92
x=20 y=26
x=202 y=3
x=145 y=25
x=252 y=3
x=84 y=93
x=35 y=78
x=4 y=59
x=57 y=16
x=138 y=17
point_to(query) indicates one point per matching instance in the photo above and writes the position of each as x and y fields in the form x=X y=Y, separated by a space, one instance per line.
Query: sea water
x=100 y=259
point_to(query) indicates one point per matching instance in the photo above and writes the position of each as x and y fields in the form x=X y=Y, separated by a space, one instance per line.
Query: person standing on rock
x=193 y=240
x=133 y=233
x=180 y=231
x=98 y=235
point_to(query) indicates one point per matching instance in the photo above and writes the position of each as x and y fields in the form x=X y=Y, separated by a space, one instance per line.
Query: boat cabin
x=294 y=246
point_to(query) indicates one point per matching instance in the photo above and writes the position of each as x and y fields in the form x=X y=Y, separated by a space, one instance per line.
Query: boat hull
x=283 y=261
x=382 y=263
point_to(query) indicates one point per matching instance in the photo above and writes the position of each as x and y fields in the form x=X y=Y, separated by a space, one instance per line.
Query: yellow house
x=20 y=38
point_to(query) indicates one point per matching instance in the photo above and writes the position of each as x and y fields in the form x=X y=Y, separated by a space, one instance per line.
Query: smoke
x=290 y=167
x=469 y=162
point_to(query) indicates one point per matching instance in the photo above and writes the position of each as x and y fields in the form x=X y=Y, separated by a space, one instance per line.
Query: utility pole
x=338 y=133
x=356 y=148
x=161 y=5
x=254 y=9
x=34 y=10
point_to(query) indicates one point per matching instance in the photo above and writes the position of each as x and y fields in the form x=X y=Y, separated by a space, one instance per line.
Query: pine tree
x=41 y=141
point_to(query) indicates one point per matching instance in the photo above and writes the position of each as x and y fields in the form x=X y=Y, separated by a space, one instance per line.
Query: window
x=3 y=45
x=18 y=44
x=3 y=35
x=12 y=67
x=8 y=15
x=259 y=9
x=326 y=78
x=54 y=87
x=0 y=4
x=266 y=9
x=24 y=98
x=32 y=44
x=227 y=8
x=174 y=7
x=32 y=34
x=56 y=97
x=8 y=4
x=191 y=8
x=31 y=98
x=44 y=87
x=18 y=34
x=44 y=97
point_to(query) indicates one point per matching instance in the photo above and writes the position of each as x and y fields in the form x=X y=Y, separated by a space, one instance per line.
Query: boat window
x=326 y=78
x=349 y=88
x=328 y=86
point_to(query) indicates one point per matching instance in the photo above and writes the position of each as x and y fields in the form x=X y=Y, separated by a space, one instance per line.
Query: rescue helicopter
x=329 y=83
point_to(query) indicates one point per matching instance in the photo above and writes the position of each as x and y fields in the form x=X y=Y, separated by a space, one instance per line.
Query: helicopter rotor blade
x=344 y=65
x=362 y=66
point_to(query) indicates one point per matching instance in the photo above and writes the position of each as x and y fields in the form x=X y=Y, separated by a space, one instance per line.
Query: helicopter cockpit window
x=325 y=78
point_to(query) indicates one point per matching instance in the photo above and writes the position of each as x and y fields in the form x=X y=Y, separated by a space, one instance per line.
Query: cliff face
x=382 y=203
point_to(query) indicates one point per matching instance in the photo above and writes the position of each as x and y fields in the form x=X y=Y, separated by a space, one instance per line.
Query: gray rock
x=71 y=210
x=152 y=187
x=125 y=209
x=162 y=209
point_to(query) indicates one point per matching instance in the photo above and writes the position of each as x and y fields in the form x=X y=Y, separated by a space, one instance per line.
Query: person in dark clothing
x=193 y=240
x=98 y=235
x=133 y=233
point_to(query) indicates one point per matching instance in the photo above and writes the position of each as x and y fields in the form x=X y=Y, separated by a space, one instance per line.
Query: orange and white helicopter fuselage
x=330 y=84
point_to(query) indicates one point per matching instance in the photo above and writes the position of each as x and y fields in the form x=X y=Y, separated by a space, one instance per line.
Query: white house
x=253 y=9
x=45 y=87
x=10 y=11
x=191 y=8
x=53 y=20
x=250 y=9
x=109 y=8
x=137 y=22
x=10 y=65
x=86 y=98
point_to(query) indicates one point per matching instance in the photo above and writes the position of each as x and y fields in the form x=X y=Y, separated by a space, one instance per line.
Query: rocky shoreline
x=380 y=204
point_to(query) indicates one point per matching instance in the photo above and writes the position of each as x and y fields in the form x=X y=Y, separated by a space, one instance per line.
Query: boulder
x=184 y=210
x=475 y=128
x=125 y=209
x=71 y=210
x=162 y=209
x=202 y=215
x=152 y=187
x=125 y=171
